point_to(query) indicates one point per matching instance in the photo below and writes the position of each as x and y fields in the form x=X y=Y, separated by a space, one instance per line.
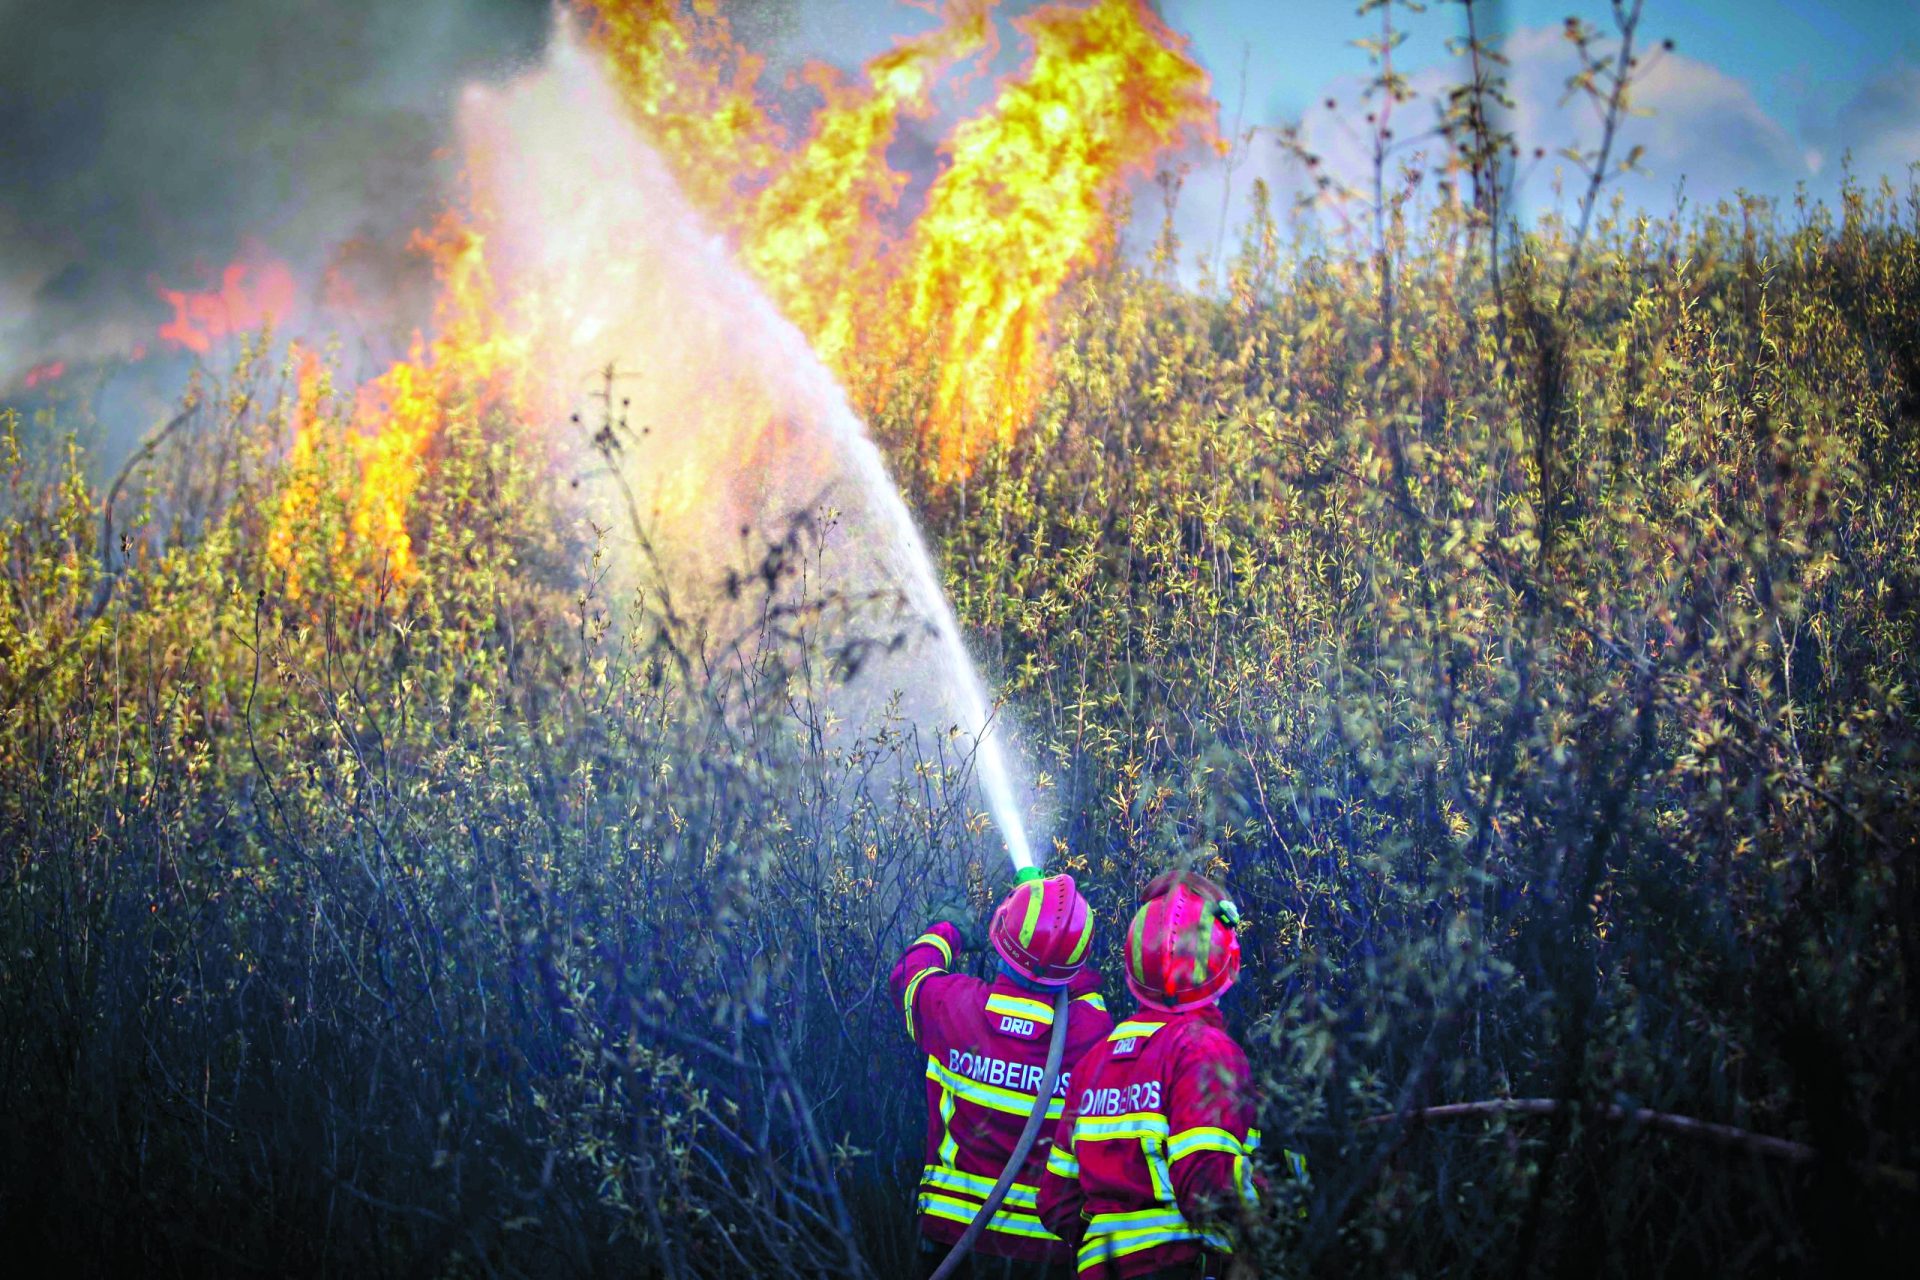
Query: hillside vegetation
x=1533 y=651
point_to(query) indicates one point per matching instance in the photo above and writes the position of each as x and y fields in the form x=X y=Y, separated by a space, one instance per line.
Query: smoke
x=144 y=144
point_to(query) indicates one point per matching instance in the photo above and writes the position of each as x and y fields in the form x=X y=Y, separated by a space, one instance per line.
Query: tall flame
x=815 y=236
x=1023 y=205
x=1020 y=207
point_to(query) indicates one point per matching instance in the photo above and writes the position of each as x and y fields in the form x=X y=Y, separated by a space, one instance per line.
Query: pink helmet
x=1182 y=952
x=1042 y=929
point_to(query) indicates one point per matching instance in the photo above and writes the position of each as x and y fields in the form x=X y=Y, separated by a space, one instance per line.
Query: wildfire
x=42 y=374
x=1023 y=205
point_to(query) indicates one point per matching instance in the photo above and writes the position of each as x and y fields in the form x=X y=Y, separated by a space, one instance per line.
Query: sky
x=1756 y=96
x=141 y=142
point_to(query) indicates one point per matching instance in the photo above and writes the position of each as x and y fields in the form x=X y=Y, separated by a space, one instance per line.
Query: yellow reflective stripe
x=991 y=1096
x=934 y=940
x=1116 y=1235
x=1140 y=1030
x=949 y=1149
x=935 y=1205
x=1154 y=1152
x=1205 y=1138
x=1021 y=1007
x=913 y=989
x=1159 y=1216
x=1093 y=998
x=1035 y=896
x=1086 y=936
x=1253 y=1140
x=1138 y=1124
x=947 y=1178
x=1243 y=1182
x=1063 y=1163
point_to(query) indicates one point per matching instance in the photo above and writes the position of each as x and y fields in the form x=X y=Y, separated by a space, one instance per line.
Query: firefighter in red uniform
x=1151 y=1172
x=986 y=1047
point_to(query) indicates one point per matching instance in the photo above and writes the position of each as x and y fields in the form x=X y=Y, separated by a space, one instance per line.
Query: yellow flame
x=815 y=236
x=1023 y=205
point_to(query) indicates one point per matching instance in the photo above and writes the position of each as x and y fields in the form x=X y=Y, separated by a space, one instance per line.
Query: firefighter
x=1151 y=1171
x=986 y=1046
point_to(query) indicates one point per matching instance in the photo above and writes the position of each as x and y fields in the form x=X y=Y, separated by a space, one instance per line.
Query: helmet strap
x=1021 y=980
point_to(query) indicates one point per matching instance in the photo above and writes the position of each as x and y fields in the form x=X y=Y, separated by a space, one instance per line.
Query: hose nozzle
x=1025 y=874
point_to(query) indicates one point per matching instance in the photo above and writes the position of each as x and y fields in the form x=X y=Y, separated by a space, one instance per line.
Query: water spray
x=591 y=235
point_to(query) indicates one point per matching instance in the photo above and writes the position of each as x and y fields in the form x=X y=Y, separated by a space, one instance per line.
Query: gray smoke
x=140 y=140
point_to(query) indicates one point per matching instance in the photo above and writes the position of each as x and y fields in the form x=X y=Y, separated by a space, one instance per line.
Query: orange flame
x=692 y=90
x=249 y=295
x=41 y=374
x=815 y=238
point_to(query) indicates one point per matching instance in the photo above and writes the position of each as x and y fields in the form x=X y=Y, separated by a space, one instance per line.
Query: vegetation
x=1524 y=628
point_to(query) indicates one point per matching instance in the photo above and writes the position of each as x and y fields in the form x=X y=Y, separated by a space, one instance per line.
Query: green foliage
x=1538 y=671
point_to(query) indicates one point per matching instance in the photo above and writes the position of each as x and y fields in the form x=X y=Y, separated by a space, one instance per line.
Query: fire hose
x=1056 y=1049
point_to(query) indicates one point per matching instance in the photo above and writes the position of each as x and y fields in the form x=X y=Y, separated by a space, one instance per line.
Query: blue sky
x=1757 y=96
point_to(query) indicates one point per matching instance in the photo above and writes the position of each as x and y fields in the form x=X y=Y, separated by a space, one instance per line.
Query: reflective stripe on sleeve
x=1190 y=1142
x=934 y=940
x=1093 y=998
x=913 y=989
x=1063 y=1163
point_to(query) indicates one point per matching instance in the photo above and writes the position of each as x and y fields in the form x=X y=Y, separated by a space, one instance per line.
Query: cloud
x=1879 y=125
x=1701 y=130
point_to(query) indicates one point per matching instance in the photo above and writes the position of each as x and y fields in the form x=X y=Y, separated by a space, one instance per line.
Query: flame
x=471 y=367
x=815 y=237
x=51 y=371
x=249 y=295
x=1023 y=205
x=691 y=87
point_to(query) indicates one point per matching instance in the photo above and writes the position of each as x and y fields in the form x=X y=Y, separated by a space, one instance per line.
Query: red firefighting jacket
x=986 y=1047
x=1153 y=1149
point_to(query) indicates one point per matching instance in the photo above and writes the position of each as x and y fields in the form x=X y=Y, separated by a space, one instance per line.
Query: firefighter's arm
x=928 y=957
x=1061 y=1197
x=1210 y=1139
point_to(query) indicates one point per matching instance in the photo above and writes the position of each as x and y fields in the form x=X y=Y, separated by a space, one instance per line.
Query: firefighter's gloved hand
x=954 y=909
